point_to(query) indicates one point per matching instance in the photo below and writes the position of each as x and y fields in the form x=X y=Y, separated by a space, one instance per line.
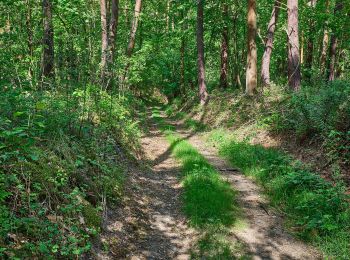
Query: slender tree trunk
x=251 y=74
x=325 y=42
x=224 y=51
x=265 y=66
x=104 y=39
x=168 y=16
x=113 y=29
x=182 y=57
x=294 y=76
x=310 y=43
x=302 y=48
x=29 y=36
x=203 y=94
x=133 y=31
x=48 y=42
x=334 y=43
x=182 y=72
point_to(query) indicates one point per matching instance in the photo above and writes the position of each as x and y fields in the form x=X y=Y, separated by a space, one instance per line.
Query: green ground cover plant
x=60 y=162
x=316 y=209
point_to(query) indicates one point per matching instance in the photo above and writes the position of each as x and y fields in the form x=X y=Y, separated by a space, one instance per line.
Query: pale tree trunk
x=310 y=43
x=104 y=39
x=251 y=74
x=182 y=57
x=294 y=76
x=266 y=60
x=48 y=42
x=29 y=36
x=325 y=42
x=113 y=29
x=236 y=79
x=203 y=94
x=302 y=48
x=224 y=51
x=334 y=43
x=168 y=16
x=133 y=31
x=182 y=72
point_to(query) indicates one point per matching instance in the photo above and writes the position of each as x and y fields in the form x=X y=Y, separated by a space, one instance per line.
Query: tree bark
x=48 y=41
x=251 y=74
x=104 y=39
x=133 y=31
x=29 y=36
x=334 y=43
x=325 y=42
x=265 y=66
x=113 y=29
x=224 y=51
x=182 y=56
x=203 y=94
x=310 y=43
x=294 y=76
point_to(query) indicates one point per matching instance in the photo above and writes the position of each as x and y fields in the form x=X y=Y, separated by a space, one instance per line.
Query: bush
x=60 y=157
x=322 y=111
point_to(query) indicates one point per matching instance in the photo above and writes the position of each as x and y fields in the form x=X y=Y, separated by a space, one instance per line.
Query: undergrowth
x=60 y=163
x=316 y=210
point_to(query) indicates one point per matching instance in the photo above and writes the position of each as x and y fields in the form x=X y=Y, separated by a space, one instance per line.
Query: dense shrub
x=60 y=158
x=322 y=111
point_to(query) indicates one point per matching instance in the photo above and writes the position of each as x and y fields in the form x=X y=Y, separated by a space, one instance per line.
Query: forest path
x=263 y=234
x=151 y=225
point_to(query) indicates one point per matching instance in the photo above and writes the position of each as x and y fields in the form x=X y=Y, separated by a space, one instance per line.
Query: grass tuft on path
x=207 y=198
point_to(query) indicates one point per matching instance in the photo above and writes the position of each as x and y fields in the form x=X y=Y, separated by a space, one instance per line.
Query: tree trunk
x=203 y=94
x=182 y=56
x=29 y=36
x=251 y=74
x=310 y=43
x=182 y=72
x=104 y=39
x=334 y=43
x=131 y=45
x=324 y=43
x=113 y=29
x=133 y=31
x=224 y=51
x=294 y=77
x=48 y=42
x=265 y=66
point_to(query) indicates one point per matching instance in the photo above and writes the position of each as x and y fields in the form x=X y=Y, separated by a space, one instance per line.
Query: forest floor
x=150 y=223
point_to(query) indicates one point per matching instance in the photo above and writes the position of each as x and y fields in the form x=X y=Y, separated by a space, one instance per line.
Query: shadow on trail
x=164 y=125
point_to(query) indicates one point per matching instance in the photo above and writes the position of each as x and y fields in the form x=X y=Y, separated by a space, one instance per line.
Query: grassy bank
x=316 y=210
x=209 y=202
x=62 y=160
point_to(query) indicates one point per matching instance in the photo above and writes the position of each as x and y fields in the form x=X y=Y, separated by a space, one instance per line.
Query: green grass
x=207 y=198
x=316 y=210
x=194 y=125
x=209 y=201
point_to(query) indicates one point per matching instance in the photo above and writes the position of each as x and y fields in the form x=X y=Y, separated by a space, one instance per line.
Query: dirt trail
x=264 y=235
x=150 y=224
